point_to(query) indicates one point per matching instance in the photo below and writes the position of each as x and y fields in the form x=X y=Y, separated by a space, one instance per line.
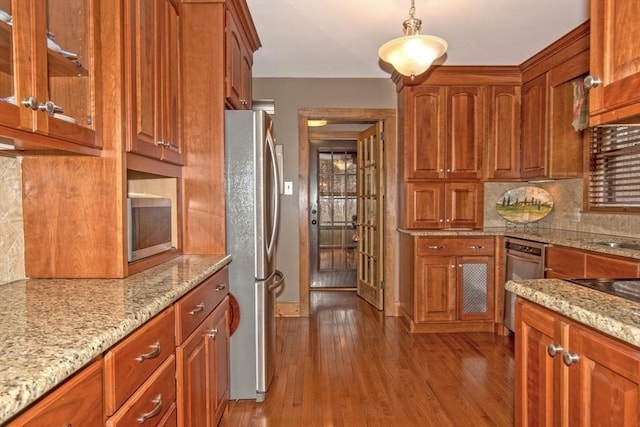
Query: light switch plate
x=288 y=188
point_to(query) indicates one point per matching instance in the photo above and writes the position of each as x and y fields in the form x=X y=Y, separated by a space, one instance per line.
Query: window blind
x=614 y=178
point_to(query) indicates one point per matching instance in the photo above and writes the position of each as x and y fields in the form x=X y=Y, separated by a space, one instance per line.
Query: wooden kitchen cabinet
x=202 y=339
x=443 y=132
x=77 y=402
x=136 y=358
x=447 y=283
x=551 y=147
x=502 y=147
x=615 y=60
x=239 y=61
x=570 y=263
x=153 y=81
x=203 y=371
x=50 y=76
x=444 y=205
x=569 y=374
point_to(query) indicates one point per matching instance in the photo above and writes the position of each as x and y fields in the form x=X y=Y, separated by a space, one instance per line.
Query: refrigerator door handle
x=276 y=197
x=278 y=282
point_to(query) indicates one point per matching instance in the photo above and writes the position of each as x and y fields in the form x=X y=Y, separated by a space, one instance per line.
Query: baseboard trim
x=287 y=309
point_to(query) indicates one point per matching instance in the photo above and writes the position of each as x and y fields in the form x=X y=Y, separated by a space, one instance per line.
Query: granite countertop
x=611 y=315
x=51 y=328
x=574 y=239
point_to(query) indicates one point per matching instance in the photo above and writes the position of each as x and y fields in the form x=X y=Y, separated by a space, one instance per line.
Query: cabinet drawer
x=455 y=246
x=76 y=402
x=132 y=361
x=152 y=401
x=194 y=307
x=604 y=266
x=565 y=262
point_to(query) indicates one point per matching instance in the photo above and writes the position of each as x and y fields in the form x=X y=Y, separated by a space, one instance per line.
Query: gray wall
x=291 y=94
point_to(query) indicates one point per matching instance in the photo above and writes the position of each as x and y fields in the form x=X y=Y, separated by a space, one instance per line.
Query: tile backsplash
x=12 y=234
x=567 y=210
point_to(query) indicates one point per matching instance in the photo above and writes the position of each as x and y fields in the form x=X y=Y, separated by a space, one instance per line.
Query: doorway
x=333 y=212
x=364 y=118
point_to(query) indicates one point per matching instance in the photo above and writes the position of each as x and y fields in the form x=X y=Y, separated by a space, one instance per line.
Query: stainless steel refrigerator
x=252 y=217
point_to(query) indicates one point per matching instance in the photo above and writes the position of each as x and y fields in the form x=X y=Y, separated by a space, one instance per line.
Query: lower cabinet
x=433 y=205
x=203 y=371
x=569 y=263
x=447 y=283
x=77 y=402
x=172 y=370
x=569 y=374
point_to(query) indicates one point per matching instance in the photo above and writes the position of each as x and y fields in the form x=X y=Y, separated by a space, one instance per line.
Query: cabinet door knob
x=212 y=333
x=554 y=349
x=570 y=358
x=221 y=287
x=50 y=108
x=30 y=102
x=592 y=81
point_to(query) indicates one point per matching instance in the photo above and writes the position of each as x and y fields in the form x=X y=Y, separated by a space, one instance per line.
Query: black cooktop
x=624 y=288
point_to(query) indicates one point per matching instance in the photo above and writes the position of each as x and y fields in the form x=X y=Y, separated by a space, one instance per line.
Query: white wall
x=291 y=94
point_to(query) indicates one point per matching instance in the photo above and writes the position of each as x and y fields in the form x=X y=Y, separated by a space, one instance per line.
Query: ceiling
x=340 y=38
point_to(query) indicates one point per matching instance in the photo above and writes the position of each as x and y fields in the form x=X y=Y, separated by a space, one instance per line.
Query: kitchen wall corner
x=11 y=223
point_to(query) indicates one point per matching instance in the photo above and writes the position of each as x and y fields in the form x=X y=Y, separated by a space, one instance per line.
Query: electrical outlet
x=288 y=188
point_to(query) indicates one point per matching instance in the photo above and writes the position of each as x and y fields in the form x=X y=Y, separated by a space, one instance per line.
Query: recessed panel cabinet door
x=465 y=132
x=435 y=288
x=604 y=380
x=534 y=128
x=615 y=60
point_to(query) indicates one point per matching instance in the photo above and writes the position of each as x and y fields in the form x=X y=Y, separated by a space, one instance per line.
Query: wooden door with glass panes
x=370 y=215
x=333 y=188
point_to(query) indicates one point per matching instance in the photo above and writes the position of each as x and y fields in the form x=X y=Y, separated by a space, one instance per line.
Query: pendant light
x=413 y=53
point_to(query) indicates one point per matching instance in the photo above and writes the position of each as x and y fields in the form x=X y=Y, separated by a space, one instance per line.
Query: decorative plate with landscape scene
x=524 y=204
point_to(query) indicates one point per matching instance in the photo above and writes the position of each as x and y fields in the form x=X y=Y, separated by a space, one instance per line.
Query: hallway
x=347 y=365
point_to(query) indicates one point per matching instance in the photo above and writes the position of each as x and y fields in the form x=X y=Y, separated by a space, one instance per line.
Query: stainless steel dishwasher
x=524 y=259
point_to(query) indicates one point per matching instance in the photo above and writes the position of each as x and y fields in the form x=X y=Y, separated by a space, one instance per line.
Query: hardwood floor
x=347 y=365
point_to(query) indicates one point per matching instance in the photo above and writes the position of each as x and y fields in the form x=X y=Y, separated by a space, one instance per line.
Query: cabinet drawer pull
x=221 y=287
x=155 y=352
x=435 y=247
x=554 y=349
x=475 y=247
x=198 y=309
x=152 y=413
x=570 y=358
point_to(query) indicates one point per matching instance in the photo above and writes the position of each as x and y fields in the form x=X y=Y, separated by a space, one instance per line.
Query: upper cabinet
x=49 y=75
x=239 y=47
x=443 y=132
x=502 y=147
x=615 y=60
x=153 y=80
x=552 y=140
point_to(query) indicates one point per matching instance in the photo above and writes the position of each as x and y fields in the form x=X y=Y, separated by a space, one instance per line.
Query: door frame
x=391 y=200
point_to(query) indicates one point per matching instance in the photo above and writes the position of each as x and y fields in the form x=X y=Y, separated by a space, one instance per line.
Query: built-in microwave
x=148 y=227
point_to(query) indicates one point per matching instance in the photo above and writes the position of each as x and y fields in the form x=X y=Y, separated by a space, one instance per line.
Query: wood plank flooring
x=348 y=365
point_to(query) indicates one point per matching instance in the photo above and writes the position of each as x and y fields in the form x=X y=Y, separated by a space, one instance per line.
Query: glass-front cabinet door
x=9 y=112
x=48 y=68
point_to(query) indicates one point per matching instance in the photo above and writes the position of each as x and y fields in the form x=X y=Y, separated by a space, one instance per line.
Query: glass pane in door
x=337 y=209
x=70 y=58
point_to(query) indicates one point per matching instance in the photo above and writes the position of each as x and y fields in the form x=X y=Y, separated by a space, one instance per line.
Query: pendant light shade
x=413 y=53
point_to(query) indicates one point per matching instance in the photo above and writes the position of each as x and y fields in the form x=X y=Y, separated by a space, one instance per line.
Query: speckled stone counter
x=52 y=328
x=574 y=239
x=611 y=315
